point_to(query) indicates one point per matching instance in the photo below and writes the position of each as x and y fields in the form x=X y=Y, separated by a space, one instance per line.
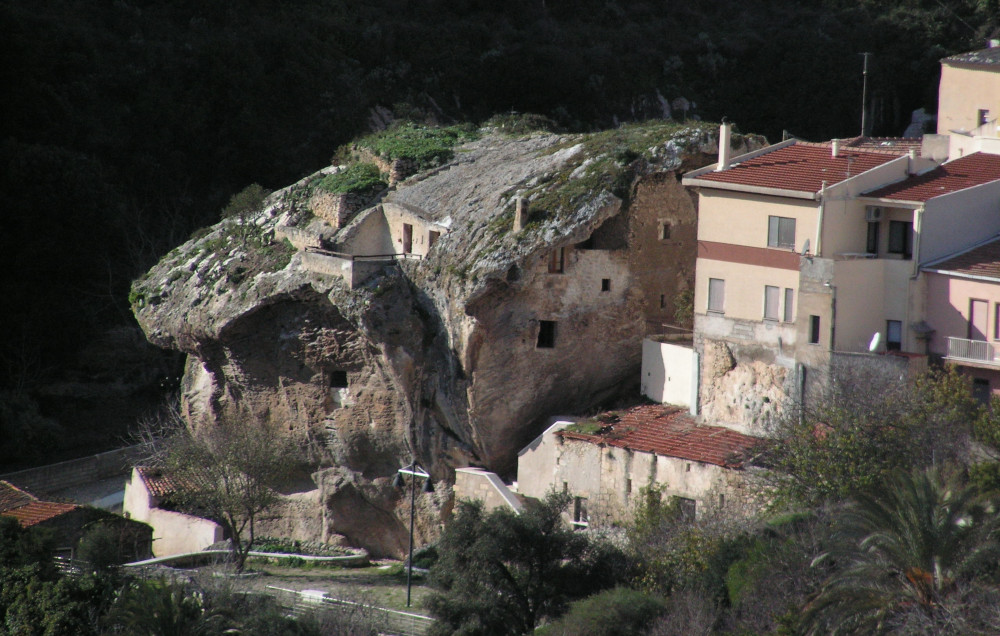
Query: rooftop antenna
x=864 y=94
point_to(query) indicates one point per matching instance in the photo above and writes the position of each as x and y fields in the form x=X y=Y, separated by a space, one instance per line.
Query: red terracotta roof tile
x=966 y=172
x=13 y=497
x=158 y=484
x=983 y=260
x=36 y=512
x=671 y=432
x=803 y=167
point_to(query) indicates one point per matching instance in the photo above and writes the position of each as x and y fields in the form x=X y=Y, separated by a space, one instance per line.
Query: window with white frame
x=781 y=232
x=772 y=301
x=716 y=295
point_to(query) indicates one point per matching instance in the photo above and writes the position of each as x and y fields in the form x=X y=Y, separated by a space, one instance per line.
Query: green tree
x=905 y=546
x=161 y=608
x=867 y=426
x=500 y=573
x=228 y=472
x=616 y=612
x=243 y=208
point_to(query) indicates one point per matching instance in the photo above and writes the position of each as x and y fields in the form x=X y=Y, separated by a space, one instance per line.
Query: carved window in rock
x=407 y=238
x=557 y=260
x=546 y=334
x=605 y=284
x=338 y=379
x=664 y=231
x=432 y=238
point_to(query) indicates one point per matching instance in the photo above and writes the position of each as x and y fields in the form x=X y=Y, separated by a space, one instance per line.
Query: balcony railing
x=971 y=350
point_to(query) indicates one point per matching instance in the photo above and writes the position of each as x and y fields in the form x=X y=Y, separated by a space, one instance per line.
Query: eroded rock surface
x=445 y=359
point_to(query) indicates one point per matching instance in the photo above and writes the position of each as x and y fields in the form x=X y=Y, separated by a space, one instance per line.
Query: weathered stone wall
x=743 y=387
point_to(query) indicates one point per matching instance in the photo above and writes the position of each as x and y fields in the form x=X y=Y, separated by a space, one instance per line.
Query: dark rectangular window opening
x=628 y=486
x=407 y=238
x=663 y=301
x=981 y=390
x=432 y=238
x=983 y=116
x=664 y=231
x=580 y=516
x=996 y=321
x=605 y=284
x=688 y=508
x=546 y=334
x=813 y=329
x=893 y=335
x=871 y=243
x=781 y=232
x=557 y=260
x=338 y=379
x=901 y=238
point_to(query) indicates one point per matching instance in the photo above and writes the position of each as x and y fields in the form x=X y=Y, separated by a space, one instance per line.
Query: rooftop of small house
x=157 y=483
x=980 y=261
x=804 y=166
x=27 y=508
x=986 y=57
x=965 y=172
x=667 y=431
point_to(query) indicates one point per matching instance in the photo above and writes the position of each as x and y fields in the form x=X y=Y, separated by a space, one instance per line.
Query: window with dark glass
x=871 y=244
x=781 y=232
x=893 y=335
x=789 y=305
x=813 y=329
x=901 y=238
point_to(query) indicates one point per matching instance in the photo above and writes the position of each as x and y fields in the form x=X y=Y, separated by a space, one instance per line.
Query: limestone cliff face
x=453 y=359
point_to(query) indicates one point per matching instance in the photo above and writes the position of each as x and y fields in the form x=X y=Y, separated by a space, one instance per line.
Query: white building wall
x=669 y=372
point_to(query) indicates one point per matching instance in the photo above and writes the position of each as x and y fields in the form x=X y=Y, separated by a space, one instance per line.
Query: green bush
x=615 y=612
x=361 y=178
x=426 y=147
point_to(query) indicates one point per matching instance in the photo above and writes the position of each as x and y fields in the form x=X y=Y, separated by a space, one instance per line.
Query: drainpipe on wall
x=918 y=222
x=818 y=250
x=695 y=382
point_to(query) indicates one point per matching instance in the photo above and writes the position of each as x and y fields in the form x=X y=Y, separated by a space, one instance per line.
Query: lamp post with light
x=413 y=470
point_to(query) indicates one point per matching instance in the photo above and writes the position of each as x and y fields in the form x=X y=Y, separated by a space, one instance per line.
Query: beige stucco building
x=604 y=463
x=173 y=532
x=809 y=256
x=969 y=94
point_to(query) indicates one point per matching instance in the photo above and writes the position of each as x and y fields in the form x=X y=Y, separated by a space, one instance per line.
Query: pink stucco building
x=963 y=306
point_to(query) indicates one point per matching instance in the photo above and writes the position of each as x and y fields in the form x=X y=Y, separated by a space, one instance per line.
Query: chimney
x=520 y=213
x=725 y=152
x=836 y=148
x=911 y=165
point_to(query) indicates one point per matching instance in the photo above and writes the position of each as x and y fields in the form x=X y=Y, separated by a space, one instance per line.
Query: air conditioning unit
x=873 y=214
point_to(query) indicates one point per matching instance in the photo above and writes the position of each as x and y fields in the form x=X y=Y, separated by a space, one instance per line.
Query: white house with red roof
x=963 y=306
x=606 y=461
x=148 y=499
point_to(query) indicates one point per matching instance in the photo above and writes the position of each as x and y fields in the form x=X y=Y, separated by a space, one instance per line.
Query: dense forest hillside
x=129 y=124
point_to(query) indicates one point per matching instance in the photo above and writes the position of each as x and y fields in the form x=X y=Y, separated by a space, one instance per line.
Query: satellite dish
x=876 y=341
x=805 y=247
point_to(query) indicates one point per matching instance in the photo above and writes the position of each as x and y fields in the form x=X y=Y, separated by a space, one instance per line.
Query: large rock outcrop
x=445 y=359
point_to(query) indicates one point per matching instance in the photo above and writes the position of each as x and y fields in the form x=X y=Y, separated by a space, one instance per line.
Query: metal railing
x=364 y=257
x=392 y=621
x=972 y=350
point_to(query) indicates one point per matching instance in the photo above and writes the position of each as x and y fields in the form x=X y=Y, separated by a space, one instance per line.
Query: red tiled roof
x=158 y=484
x=36 y=512
x=966 y=172
x=898 y=144
x=12 y=497
x=671 y=432
x=26 y=508
x=983 y=260
x=803 y=167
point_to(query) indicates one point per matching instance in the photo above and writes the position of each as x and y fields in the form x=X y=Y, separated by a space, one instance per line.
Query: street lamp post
x=413 y=470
